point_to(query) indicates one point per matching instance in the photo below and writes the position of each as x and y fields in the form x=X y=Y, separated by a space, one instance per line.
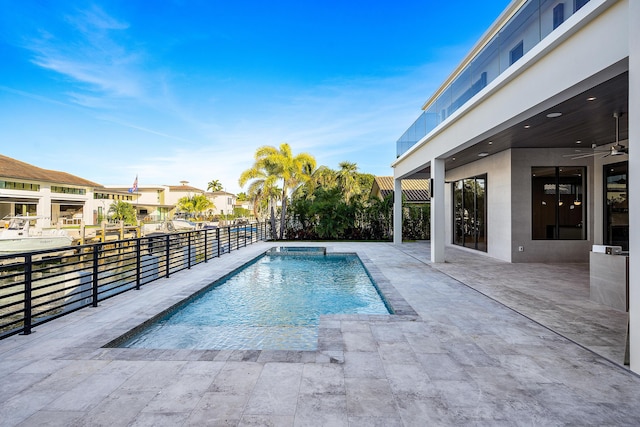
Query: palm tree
x=123 y=211
x=214 y=185
x=262 y=191
x=201 y=203
x=348 y=179
x=275 y=165
x=322 y=177
x=195 y=204
x=185 y=204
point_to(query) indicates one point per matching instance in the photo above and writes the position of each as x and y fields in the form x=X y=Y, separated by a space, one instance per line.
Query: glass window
x=458 y=214
x=67 y=190
x=579 y=4
x=25 y=209
x=469 y=213
x=10 y=185
x=525 y=29
x=516 y=53
x=558 y=15
x=616 y=230
x=557 y=203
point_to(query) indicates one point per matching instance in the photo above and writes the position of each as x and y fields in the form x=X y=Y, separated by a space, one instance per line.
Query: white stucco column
x=397 y=211
x=634 y=185
x=437 y=211
x=44 y=206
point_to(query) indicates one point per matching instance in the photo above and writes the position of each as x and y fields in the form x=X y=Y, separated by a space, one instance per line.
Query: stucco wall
x=509 y=205
x=522 y=160
x=498 y=170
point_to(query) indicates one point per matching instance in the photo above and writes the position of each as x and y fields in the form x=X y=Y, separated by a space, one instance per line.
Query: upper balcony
x=516 y=32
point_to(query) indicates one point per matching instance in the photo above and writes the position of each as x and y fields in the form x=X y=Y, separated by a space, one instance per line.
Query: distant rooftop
x=12 y=168
x=184 y=187
x=414 y=190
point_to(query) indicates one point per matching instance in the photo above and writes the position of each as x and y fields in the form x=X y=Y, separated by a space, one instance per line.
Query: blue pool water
x=274 y=303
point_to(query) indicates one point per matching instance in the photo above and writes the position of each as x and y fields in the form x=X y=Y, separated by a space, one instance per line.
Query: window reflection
x=557 y=205
x=469 y=213
x=616 y=205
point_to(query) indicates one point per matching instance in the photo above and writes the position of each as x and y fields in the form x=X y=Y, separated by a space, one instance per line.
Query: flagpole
x=137 y=197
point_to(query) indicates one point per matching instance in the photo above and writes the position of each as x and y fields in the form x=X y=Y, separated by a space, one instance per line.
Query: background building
x=57 y=197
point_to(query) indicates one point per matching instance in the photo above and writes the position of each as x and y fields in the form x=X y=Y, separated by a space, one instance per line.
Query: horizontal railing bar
x=66 y=281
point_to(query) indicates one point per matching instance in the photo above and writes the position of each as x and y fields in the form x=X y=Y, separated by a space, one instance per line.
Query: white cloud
x=88 y=53
x=165 y=134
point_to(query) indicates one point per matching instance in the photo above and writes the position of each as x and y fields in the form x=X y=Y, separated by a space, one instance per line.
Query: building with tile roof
x=413 y=190
x=57 y=197
x=64 y=199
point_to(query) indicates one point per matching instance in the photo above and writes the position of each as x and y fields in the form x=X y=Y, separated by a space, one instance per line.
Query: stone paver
x=475 y=342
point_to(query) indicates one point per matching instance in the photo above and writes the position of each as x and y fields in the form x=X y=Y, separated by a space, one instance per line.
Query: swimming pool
x=273 y=303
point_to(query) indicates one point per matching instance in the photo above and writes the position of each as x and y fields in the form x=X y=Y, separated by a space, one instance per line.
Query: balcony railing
x=531 y=23
x=37 y=287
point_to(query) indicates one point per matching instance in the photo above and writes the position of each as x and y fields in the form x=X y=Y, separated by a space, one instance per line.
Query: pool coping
x=331 y=342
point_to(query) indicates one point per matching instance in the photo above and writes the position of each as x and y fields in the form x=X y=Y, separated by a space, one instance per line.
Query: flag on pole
x=134 y=188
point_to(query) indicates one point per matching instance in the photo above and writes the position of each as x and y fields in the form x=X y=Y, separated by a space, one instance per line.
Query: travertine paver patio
x=453 y=357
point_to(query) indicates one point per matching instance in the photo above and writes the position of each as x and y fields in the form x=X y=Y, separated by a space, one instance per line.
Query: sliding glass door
x=470 y=213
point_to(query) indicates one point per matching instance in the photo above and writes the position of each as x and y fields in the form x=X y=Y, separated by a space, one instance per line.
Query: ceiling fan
x=615 y=150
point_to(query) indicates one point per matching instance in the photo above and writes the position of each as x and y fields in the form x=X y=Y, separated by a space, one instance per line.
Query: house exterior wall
x=597 y=43
x=47 y=203
x=551 y=72
x=545 y=250
x=498 y=201
x=509 y=204
x=224 y=203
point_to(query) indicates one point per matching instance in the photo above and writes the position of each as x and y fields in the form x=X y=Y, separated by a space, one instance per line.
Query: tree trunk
x=273 y=221
x=283 y=213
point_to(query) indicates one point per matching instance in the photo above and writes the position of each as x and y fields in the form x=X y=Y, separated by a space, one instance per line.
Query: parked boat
x=20 y=236
x=183 y=224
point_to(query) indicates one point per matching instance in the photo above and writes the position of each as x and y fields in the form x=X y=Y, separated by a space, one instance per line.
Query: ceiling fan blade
x=582 y=156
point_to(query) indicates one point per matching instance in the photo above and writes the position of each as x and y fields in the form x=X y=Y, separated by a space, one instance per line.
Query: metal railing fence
x=37 y=287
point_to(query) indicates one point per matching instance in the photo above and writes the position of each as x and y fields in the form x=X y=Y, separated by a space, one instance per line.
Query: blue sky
x=188 y=89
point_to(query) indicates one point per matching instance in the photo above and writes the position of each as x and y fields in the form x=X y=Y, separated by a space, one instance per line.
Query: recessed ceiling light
x=527 y=126
x=490 y=142
x=591 y=98
x=554 y=115
x=453 y=158
x=578 y=142
x=483 y=154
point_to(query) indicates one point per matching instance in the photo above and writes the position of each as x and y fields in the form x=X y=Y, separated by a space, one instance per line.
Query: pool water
x=274 y=303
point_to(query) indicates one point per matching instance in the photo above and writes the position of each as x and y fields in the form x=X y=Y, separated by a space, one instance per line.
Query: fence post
x=218 y=240
x=26 y=328
x=206 y=234
x=166 y=242
x=138 y=263
x=189 y=250
x=94 y=284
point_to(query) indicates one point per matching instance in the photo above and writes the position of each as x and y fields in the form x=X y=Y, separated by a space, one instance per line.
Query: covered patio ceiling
x=586 y=119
